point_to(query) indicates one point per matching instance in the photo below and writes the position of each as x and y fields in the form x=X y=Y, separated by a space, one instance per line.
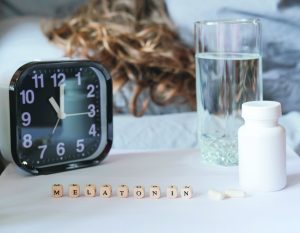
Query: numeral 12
x=58 y=79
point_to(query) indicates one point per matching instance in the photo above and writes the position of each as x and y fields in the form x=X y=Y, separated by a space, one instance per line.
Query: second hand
x=77 y=114
x=56 y=124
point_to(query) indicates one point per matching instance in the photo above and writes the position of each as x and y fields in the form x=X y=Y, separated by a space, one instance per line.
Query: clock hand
x=62 y=101
x=60 y=115
x=56 y=124
x=55 y=106
x=77 y=114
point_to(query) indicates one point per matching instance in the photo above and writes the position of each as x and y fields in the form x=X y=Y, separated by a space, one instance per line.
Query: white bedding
x=146 y=133
x=178 y=131
x=280 y=33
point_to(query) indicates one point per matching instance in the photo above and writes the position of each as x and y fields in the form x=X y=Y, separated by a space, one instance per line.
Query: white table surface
x=26 y=204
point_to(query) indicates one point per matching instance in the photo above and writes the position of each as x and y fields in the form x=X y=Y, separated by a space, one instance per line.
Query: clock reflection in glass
x=59 y=116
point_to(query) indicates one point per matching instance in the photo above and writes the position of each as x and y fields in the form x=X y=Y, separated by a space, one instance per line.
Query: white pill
x=235 y=193
x=215 y=195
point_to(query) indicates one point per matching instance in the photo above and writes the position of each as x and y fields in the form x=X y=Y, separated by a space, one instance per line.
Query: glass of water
x=228 y=73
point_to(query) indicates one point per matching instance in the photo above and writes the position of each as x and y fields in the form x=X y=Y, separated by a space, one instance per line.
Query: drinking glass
x=228 y=73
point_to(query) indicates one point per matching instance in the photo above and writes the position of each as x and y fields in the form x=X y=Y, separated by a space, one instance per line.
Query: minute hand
x=62 y=100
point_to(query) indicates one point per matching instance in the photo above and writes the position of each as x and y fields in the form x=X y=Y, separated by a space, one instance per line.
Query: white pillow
x=21 y=39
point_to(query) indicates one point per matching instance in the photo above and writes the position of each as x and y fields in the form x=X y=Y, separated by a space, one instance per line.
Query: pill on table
x=215 y=195
x=234 y=193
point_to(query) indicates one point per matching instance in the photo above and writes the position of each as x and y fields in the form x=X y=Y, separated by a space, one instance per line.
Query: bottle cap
x=261 y=110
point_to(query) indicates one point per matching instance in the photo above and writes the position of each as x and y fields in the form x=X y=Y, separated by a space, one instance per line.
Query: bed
x=15 y=39
x=174 y=135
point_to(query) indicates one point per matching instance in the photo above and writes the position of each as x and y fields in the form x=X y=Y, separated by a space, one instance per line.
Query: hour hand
x=56 y=107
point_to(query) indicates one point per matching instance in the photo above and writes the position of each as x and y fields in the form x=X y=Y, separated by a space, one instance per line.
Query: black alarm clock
x=56 y=115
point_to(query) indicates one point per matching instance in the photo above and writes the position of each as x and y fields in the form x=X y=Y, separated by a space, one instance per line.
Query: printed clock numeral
x=91 y=89
x=78 y=76
x=27 y=141
x=58 y=79
x=43 y=149
x=92 y=130
x=80 y=145
x=60 y=149
x=92 y=110
x=26 y=118
x=38 y=80
x=27 y=96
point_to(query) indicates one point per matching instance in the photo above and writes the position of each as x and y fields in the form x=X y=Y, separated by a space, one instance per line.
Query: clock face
x=60 y=114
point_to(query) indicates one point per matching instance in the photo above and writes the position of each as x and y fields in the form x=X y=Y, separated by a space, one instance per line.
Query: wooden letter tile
x=74 y=190
x=154 y=192
x=57 y=190
x=172 y=192
x=123 y=191
x=90 y=190
x=105 y=190
x=138 y=192
x=186 y=192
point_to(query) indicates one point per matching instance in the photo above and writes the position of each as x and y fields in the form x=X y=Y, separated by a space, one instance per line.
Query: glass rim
x=228 y=21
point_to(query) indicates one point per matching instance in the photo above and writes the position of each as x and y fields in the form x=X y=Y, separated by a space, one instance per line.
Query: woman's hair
x=137 y=42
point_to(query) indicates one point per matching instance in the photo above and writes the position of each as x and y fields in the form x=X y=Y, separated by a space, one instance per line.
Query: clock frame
x=104 y=114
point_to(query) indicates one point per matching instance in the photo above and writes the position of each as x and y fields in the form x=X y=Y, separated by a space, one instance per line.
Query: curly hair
x=137 y=42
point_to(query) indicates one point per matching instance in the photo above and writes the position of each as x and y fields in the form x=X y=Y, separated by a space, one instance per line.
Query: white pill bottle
x=262 y=147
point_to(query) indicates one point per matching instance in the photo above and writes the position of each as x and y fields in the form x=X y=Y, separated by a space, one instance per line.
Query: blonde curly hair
x=137 y=42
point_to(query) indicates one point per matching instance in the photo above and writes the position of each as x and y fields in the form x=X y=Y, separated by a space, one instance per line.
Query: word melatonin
x=122 y=191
